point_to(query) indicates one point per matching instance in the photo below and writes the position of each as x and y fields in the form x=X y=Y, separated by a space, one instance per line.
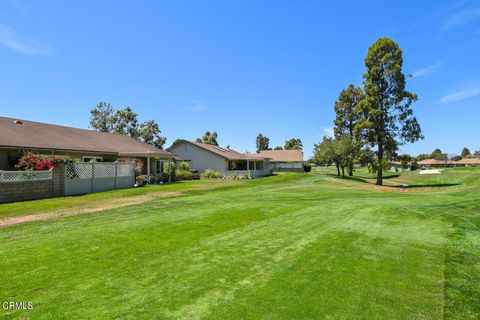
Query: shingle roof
x=36 y=135
x=227 y=153
x=469 y=161
x=283 y=155
x=435 y=161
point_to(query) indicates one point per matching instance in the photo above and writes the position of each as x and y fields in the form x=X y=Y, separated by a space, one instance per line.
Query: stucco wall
x=31 y=190
x=200 y=159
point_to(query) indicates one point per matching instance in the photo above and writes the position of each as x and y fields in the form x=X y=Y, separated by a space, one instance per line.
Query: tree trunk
x=338 y=169
x=380 y=167
x=350 y=169
x=343 y=171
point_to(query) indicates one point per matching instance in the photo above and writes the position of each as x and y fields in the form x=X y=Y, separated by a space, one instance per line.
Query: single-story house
x=468 y=162
x=84 y=145
x=201 y=156
x=436 y=163
x=285 y=160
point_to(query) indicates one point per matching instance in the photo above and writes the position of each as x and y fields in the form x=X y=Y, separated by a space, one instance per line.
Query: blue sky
x=237 y=67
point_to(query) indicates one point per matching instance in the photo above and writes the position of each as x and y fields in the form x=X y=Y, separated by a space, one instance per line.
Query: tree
x=209 y=138
x=337 y=151
x=347 y=117
x=422 y=156
x=101 y=117
x=278 y=148
x=176 y=141
x=149 y=132
x=324 y=153
x=437 y=154
x=477 y=153
x=387 y=118
x=262 y=143
x=465 y=152
x=293 y=144
x=366 y=157
x=404 y=160
x=125 y=122
x=456 y=158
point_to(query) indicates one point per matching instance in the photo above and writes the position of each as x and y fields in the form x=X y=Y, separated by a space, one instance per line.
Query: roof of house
x=16 y=133
x=468 y=161
x=227 y=153
x=435 y=161
x=283 y=155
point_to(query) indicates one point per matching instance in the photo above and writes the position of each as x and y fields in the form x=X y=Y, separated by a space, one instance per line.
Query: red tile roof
x=467 y=161
x=283 y=155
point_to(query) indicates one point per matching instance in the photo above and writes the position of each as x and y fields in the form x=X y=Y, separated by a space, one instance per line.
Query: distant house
x=468 y=162
x=435 y=163
x=201 y=156
x=285 y=160
x=83 y=145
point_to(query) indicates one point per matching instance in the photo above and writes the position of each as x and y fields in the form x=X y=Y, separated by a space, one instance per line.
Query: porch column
x=248 y=168
x=254 y=165
x=169 y=171
x=148 y=165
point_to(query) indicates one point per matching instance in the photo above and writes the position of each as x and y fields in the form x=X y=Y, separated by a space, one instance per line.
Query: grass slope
x=292 y=246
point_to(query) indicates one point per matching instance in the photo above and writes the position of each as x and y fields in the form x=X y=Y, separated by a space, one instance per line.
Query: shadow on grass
x=353 y=178
x=363 y=179
x=433 y=185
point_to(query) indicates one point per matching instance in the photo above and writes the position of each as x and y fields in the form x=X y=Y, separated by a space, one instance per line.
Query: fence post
x=93 y=176
x=115 y=179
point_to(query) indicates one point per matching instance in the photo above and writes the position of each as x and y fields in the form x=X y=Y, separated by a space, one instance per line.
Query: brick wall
x=31 y=190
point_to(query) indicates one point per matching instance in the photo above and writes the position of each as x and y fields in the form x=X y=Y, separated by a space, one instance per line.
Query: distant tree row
x=263 y=142
x=105 y=118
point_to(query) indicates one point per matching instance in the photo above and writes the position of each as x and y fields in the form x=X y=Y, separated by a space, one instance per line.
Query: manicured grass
x=292 y=246
x=103 y=198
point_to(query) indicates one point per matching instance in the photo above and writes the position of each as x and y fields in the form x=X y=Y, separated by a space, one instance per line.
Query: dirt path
x=100 y=206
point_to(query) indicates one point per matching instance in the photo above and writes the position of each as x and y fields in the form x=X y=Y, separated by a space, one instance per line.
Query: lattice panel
x=74 y=171
x=124 y=170
x=20 y=176
x=104 y=170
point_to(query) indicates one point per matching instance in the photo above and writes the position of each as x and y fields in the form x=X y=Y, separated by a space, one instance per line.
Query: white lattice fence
x=76 y=171
x=124 y=170
x=92 y=177
x=104 y=170
x=23 y=176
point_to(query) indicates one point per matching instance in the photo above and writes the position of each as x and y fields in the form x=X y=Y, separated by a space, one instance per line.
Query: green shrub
x=307 y=167
x=414 y=166
x=169 y=167
x=211 y=174
x=182 y=175
x=184 y=166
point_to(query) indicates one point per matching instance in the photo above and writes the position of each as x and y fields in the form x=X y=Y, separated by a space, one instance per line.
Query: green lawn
x=291 y=246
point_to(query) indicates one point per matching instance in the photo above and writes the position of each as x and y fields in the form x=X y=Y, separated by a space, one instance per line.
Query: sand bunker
x=431 y=171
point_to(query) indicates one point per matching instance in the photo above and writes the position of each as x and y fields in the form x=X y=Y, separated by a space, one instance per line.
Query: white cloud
x=12 y=40
x=461 y=17
x=328 y=132
x=197 y=106
x=461 y=94
x=427 y=71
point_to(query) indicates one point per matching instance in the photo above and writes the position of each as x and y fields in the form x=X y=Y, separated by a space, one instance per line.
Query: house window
x=92 y=159
x=158 y=167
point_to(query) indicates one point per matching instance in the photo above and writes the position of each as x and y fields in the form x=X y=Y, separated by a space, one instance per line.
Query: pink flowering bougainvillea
x=37 y=162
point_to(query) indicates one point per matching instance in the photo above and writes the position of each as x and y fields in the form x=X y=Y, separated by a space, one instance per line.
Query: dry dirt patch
x=96 y=207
